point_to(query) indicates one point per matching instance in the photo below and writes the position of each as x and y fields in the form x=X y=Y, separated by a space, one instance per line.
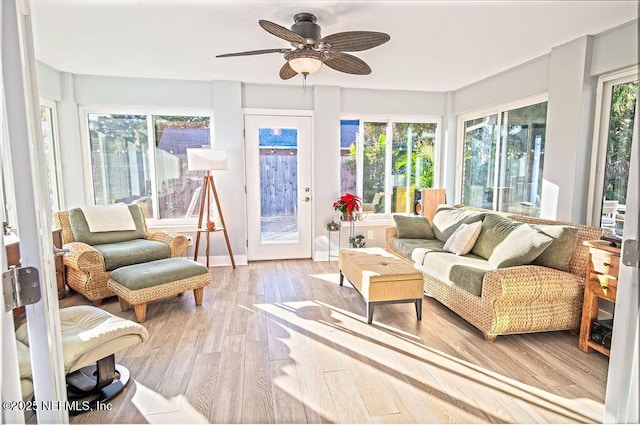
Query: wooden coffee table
x=381 y=278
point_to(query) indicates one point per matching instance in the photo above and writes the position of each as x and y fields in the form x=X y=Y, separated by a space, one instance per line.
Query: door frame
x=601 y=139
x=33 y=221
x=302 y=113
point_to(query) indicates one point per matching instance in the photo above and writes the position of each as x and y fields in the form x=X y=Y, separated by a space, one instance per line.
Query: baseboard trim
x=223 y=260
x=324 y=256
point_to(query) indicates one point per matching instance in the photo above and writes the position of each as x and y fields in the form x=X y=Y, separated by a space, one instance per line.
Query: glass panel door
x=279 y=197
x=622 y=108
x=478 y=169
x=412 y=162
x=521 y=159
x=278 y=184
x=374 y=164
x=503 y=157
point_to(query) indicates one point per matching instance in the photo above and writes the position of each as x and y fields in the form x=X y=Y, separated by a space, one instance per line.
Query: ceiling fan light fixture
x=305 y=61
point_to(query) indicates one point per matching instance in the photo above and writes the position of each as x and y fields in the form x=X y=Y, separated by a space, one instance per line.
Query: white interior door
x=278 y=159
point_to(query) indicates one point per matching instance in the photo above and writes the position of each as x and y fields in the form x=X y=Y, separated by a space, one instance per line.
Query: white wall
x=569 y=128
x=326 y=166
x=70 y=146
x=49 y=81
x=228 y=124
x=524 y=80
x=615 y=49
x=391 y=102
x=265 y=96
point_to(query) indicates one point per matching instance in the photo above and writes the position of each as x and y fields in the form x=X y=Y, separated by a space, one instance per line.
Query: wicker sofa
x=93 y=256
x=518 y=299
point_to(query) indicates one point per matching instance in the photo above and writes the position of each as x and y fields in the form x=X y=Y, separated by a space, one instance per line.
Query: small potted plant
x=349 y=205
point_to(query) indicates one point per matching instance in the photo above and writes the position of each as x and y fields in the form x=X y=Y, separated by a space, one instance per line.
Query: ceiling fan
x=309 y=50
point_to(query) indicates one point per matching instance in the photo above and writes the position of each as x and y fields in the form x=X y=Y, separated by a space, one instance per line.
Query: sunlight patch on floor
x=346 y=333
x=157 y=409
x=330 y=277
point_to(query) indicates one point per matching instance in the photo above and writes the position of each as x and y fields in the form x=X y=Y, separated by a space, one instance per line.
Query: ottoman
x=381 y=278
x=140 y=283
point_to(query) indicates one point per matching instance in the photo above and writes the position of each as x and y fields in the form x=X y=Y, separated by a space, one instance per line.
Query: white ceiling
x=435 y=45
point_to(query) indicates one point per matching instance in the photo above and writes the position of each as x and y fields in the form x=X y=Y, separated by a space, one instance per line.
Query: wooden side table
x=601 y=282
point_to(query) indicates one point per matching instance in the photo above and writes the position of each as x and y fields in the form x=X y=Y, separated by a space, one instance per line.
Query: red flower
x=348 y=203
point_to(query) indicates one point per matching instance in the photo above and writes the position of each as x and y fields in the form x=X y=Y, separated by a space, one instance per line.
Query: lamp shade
x=206 y=159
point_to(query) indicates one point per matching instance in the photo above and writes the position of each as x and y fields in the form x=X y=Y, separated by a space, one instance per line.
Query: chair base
x=92 y=385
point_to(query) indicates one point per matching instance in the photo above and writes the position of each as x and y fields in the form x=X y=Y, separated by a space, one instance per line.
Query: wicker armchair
x=85 y=267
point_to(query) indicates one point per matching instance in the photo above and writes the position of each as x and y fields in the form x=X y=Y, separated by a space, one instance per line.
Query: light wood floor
x=281 y=342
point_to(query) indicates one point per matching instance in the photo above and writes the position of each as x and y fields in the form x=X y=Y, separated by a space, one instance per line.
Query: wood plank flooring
x=282 y=342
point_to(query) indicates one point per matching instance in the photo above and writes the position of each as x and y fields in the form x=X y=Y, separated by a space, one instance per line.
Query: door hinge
x=630 y=254
x=21 y=286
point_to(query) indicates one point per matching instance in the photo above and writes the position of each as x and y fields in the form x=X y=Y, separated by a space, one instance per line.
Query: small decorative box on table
x=381 y=278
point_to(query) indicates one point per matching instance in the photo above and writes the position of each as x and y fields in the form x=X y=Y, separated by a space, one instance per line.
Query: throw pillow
x=558 y=255
x=413 y=227
x=447 y=220
x=522 y=246
x=463 y=239
x=495 y=229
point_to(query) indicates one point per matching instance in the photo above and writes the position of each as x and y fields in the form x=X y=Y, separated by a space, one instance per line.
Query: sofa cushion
x=558 y=254
x=463 y=239
x=447 y=220
x=413 y=227
x=522 y=246
x=405 y=247
x=495 y=229
x=132 y=252
x=81 y=232
x=464 y=271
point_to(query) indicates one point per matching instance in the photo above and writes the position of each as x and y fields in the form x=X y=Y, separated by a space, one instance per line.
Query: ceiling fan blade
x=345 y=62
x=282 y=32
x=254 y=52
x=287 y=72
x=355 y=41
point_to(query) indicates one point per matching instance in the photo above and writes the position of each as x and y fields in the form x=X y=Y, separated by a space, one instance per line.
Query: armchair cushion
x=81 y=232
x=132 y=252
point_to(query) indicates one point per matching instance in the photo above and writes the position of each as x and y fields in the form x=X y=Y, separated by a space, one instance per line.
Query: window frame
x=497 y=109
x=149 y=112
x=389 y=120
x=57 y=161
x=600 y=139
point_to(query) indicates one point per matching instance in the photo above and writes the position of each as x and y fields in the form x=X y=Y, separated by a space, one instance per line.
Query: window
x=502 y=159
x=384 y=161
x=142 y=159
x=50 y=143
x=617 y=94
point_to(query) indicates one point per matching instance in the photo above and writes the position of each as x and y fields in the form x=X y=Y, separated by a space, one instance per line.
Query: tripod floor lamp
x=207 y=160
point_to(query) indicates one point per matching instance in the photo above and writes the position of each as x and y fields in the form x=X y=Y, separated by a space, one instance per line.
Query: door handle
x=307 y=199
